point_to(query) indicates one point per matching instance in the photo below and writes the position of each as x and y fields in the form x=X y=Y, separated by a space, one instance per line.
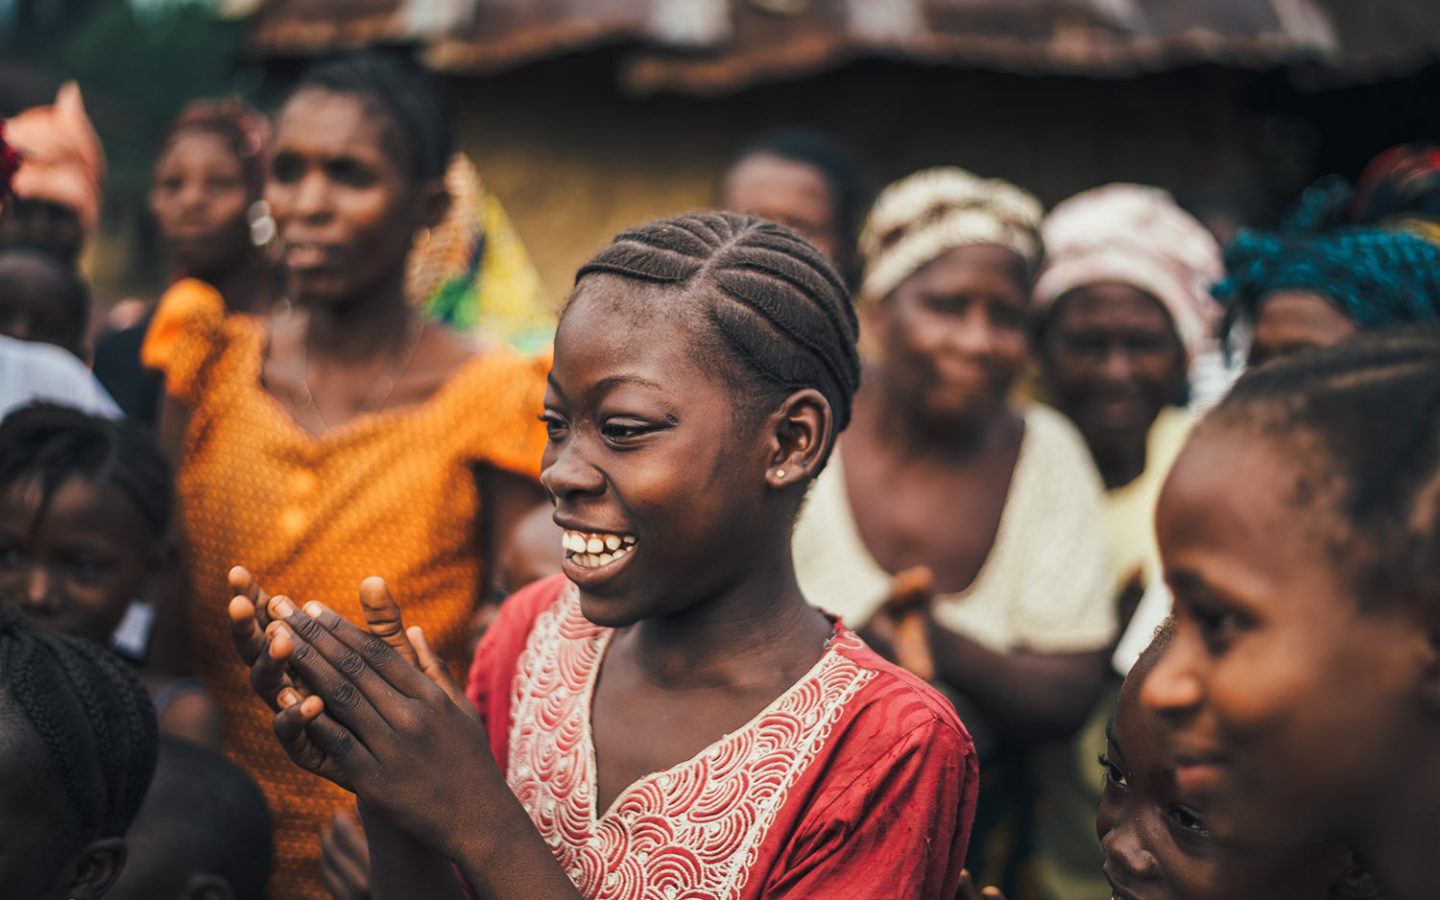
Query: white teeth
x=593 y=549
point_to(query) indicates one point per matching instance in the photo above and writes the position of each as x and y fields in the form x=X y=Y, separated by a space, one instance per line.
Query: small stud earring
x=779 y=473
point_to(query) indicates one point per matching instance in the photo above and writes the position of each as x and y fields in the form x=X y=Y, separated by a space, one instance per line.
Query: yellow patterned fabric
x=390 y=494
x=472 y=272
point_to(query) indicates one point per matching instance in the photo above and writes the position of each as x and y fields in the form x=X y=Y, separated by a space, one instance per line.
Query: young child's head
x=1300 y=531
x=43 y=300
x=1159 y=846
x=85 y=506
x=203 y=832
x=703 y=368
x=77 y=750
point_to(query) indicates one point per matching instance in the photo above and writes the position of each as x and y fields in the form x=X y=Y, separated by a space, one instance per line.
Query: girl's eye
x=1217 y=626
x=554 y=426
x=1113 y=774
x=1189 y=820
x=85 y=569
x=286 y=168
x=623 y=430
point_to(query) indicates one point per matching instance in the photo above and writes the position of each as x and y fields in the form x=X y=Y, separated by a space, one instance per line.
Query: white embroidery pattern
x=692 y=831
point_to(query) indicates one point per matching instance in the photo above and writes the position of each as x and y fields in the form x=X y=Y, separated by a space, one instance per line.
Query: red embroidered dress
x=859 y=781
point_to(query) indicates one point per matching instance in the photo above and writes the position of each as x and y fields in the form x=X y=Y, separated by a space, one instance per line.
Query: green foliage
x=138 y=66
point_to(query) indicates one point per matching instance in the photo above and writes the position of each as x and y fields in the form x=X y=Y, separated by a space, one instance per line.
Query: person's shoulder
x=895 y=706
x=30 y=370
x=1048 y=430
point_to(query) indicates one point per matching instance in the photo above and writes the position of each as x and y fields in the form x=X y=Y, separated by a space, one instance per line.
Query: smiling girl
x=672 y=717
x=1300 y=531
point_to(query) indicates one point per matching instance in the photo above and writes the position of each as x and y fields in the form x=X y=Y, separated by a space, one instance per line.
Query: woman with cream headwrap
x=941 y=470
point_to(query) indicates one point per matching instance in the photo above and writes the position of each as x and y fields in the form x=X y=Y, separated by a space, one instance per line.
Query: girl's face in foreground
x=659 y=477
x=75 y=565
x=1292 y=716
x=1160 y=848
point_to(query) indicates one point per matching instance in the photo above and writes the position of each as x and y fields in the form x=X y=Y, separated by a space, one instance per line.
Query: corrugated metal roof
x=718 y=46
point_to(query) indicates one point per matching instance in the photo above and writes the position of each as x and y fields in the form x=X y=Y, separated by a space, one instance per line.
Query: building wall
x=575 y=160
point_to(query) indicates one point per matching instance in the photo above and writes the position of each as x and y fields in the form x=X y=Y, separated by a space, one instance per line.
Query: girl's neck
x=1401 y=851
x=753 y=632
x=361 y=328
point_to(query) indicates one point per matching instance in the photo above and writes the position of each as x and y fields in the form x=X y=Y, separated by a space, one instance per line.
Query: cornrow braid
x=56 y=443
x=412 y=98
x=781 y=308
x=1373 y=406
x=93 y=716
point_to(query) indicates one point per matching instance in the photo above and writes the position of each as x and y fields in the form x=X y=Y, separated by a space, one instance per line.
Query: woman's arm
x=1032 y=696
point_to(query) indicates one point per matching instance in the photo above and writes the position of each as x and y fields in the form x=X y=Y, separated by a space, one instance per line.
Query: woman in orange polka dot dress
x=347 y=437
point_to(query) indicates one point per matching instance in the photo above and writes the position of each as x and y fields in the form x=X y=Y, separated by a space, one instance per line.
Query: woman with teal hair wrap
x=1317 y=281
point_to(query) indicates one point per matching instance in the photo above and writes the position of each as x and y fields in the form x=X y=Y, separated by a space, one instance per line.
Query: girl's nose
x=1125 y=851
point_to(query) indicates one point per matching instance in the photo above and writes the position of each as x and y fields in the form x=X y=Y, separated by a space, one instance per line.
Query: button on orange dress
x=390 y=494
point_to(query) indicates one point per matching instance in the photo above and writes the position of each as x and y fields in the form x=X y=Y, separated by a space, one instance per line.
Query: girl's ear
x=800 y=433
x=96 y=868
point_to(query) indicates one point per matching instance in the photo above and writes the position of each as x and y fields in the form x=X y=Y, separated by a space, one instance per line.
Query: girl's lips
x=593 y=557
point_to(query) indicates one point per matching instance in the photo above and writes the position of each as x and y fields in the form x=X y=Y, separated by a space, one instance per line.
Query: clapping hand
x=378 y=715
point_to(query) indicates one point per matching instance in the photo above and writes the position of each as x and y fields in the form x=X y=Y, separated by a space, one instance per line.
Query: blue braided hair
x=1377 y=277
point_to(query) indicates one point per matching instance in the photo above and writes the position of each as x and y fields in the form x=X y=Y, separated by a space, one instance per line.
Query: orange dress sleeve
x=505 y=404
x=184 y=335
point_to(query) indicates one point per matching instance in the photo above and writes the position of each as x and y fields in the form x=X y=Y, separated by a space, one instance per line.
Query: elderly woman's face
x=954 y=334
x=1113 y=361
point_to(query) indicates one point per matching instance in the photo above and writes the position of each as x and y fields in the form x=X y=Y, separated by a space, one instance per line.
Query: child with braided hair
x=1300 y=532
x=77 y=751
x=672 y=716
x=85 y=511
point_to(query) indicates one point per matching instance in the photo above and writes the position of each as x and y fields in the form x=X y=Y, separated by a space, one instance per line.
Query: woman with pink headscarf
x=1125 y=311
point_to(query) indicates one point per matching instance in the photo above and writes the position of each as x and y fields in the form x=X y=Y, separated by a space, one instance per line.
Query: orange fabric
x=390 y=494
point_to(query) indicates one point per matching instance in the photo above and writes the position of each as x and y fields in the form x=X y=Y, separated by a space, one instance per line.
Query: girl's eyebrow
x=615 y=381
x=1112 y=744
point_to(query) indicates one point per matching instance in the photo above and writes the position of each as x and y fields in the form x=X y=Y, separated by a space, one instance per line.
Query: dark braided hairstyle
x=779 y=306
x=1367 y=413
x=411 y=97
x=836 y=166
x=94 y=718
x=56 y=443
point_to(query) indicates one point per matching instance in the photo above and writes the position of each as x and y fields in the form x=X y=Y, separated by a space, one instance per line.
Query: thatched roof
x=718 y=46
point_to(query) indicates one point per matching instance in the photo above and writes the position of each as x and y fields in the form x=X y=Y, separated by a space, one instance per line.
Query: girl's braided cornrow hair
x=94 y=718
x=780 y=306
x=1373 y=406
x=55 y=443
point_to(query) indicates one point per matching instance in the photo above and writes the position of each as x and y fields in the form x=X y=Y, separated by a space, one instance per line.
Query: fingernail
x=287 y=698
x=313 y=609
x=282 y=607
